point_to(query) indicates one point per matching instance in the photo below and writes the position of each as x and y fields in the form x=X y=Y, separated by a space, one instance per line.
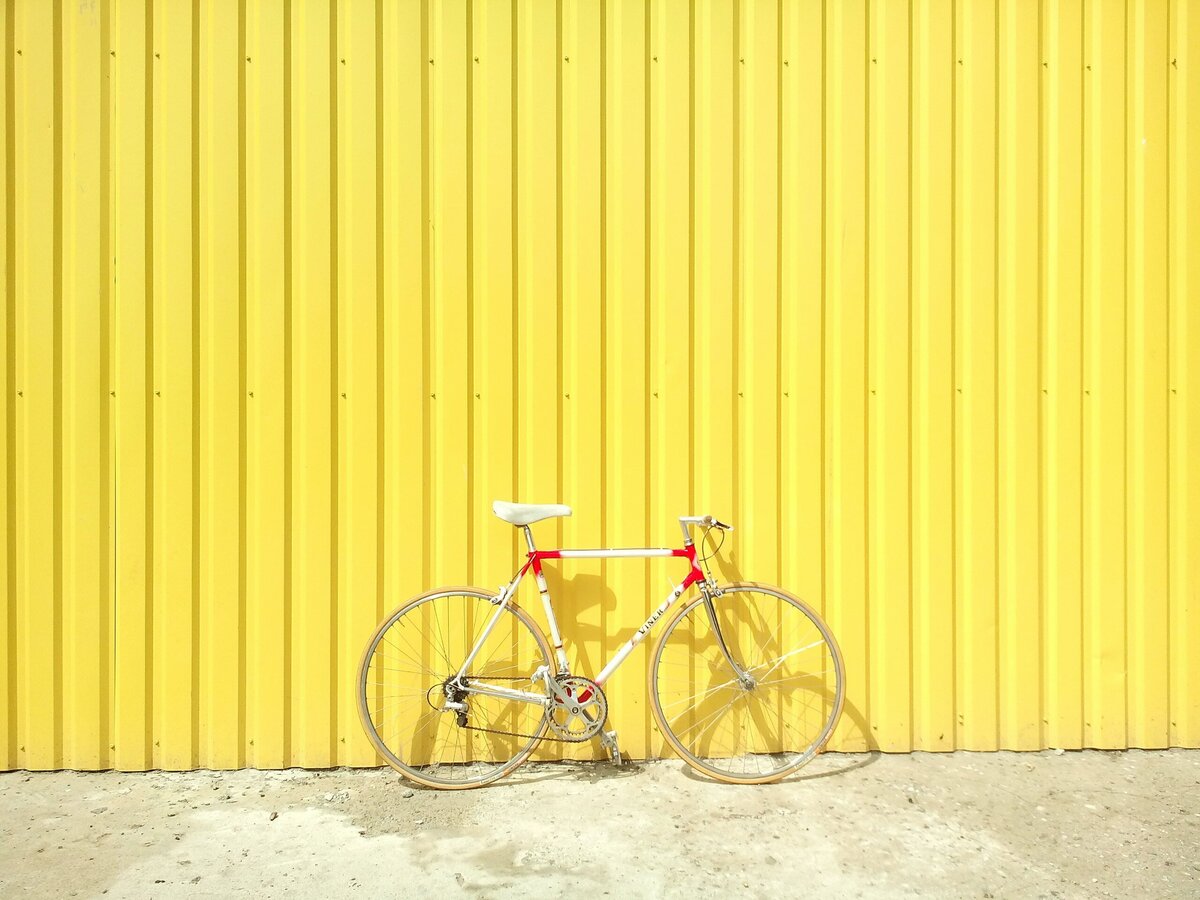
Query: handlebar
x=706 y=521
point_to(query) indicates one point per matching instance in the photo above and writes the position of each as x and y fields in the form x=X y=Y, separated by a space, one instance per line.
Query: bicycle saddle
x=528 y=513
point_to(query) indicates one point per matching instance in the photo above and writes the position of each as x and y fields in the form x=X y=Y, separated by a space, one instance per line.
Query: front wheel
x=747 y=686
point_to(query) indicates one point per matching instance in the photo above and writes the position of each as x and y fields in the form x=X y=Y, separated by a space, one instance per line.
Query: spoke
x=777 y=662
x=698 y=697
x=709 y=716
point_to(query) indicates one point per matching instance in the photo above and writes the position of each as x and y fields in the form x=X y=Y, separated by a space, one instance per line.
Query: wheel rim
x=767 y=725
x=406 y=680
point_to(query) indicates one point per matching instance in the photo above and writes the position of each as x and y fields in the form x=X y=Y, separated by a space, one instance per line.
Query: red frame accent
x=688 y=553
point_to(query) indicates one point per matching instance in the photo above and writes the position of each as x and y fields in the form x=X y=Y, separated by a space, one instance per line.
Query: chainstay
x=557 y=740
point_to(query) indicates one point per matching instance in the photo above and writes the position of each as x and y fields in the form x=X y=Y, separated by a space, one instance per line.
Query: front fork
x=709 y=590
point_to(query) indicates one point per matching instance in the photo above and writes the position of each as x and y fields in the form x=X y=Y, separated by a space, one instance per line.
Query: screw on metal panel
x=159 y=394
x=477 y=59
x=251 y=393
x=1173 y=61
x=343 y=395
x=20 y=393
x=157 y=55
x=343 y=62
x=112 y=52
x=566 y=59
x=431 y=60
x=247 y=59
x=112 y=393
x=960 y=62
x=874 y=60
x=1045 y=64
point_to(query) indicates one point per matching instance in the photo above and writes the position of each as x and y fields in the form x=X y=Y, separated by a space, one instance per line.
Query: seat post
x=529 y=538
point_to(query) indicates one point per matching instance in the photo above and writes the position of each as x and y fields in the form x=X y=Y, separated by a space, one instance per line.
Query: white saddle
x=528 y=513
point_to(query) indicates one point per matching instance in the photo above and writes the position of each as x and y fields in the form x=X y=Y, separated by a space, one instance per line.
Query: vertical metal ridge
x=779 y=379
x=1169 y=361
x=909 y=390
x=335 y=537
x=426 y=310
x=735 y=133
x=1042 y=411
x=1083 y=381
x=824 y=365
x=691 y=263
x=10 y=377
x=57 y=387
x=558 y=245
x=1125 y=350
x=648 y=51
x=288 y=387
x=952 y=389
x=515 y=256
x=603 y=337
x=381 y=481
x=469 y=424
x=105 y=639
x=996 y=429
x=868 y=704
x=195 y=393
x=243 y=687
x=148 y=381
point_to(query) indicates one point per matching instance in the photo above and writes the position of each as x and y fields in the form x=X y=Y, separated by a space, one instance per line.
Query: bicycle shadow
x=827 y=763
x=859 y=732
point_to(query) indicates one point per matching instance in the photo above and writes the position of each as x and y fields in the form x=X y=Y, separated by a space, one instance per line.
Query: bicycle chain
x=559 y=740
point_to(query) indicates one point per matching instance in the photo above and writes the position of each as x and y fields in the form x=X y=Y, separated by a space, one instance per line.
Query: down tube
x=640 y=634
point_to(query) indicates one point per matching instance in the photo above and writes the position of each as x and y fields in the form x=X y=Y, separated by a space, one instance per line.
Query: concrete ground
x=1086 y=824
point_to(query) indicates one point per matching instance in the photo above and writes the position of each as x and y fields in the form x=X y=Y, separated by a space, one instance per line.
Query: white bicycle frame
x=534 y=561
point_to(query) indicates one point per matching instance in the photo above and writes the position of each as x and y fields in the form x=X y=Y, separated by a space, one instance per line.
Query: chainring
x=581 y=711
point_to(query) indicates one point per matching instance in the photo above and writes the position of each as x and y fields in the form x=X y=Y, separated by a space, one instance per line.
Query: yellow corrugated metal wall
x=910 y=292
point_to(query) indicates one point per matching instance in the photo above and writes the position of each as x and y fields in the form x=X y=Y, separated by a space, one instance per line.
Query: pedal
x=608 y=740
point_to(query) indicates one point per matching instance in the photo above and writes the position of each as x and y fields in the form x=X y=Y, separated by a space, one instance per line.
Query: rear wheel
x=423 y=722
x=764 y=719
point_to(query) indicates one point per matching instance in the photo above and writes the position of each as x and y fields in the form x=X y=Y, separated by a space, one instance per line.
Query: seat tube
x=544 y=590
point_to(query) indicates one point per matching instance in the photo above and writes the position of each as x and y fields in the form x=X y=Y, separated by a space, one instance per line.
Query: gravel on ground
x=1050 y=824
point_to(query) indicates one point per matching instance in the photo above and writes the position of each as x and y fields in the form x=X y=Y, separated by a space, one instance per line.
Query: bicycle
x=457 y=687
